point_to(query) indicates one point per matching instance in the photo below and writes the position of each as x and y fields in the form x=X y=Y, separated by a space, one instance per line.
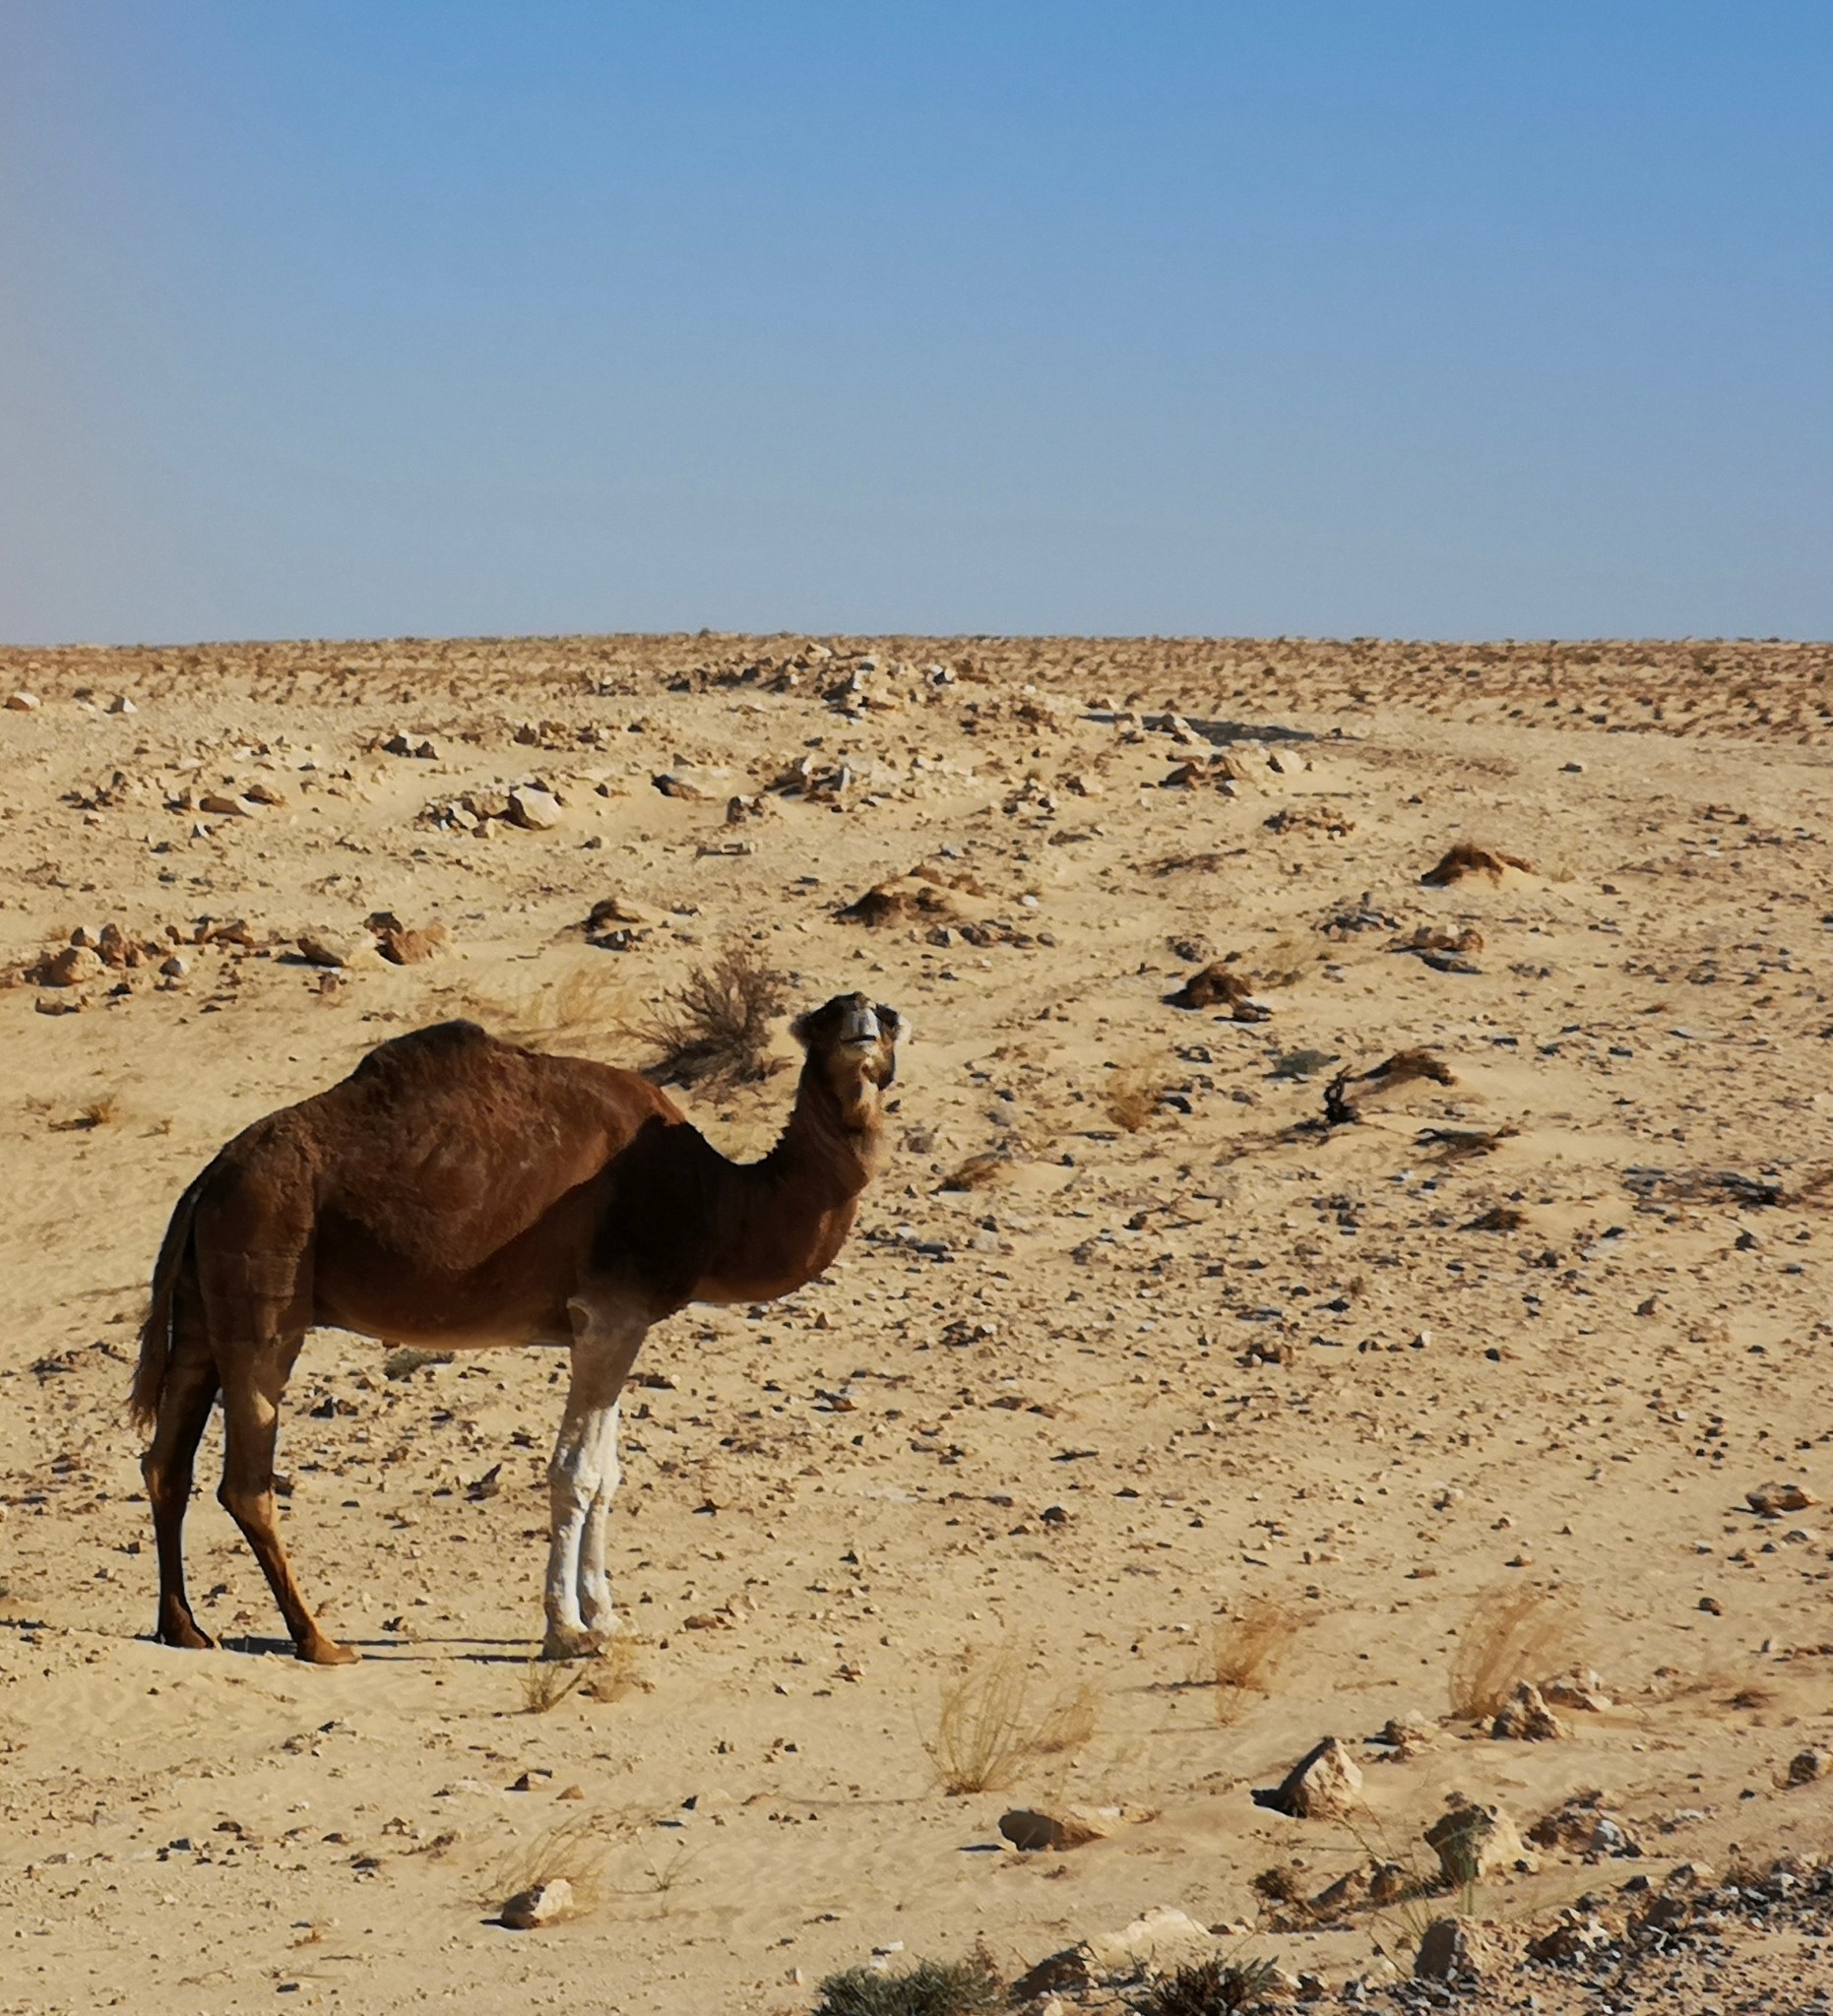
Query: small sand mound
x=1468 y=859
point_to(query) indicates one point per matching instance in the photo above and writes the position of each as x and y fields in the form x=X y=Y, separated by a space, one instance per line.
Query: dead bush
x=1514 y=1634
x=977 y=1171
x=1245 y=1654
x=716 y=1025
x=1134 y=1093
x=991 y=1723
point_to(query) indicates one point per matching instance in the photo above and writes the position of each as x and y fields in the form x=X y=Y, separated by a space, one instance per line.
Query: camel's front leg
x=581 y=1479
x=595 y=1587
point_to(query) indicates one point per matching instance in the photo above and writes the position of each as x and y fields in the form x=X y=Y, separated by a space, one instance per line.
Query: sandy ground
x=1369 y=1371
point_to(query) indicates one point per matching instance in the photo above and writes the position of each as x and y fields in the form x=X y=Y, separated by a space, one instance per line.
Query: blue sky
x=360 y=316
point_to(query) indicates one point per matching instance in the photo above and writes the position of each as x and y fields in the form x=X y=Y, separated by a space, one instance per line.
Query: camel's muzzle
x=860 y=1028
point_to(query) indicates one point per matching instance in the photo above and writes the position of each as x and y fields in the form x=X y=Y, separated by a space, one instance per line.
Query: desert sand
x=1135 y=1357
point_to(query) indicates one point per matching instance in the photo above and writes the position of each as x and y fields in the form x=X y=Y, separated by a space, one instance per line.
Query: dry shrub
x=716 y=1025
x=1246 y=1652
x=546 y=1683
x=990 y=1723
x=1515 y=1633
x=1468 y=859
x=1210 y=1987
x=1404 y=1067
x=576 y=1850
x=1215 y=983
x=930 y=1988
x=616 y=1672
x=1134 y=1091
x=977 y=1171
x=1068 y=1725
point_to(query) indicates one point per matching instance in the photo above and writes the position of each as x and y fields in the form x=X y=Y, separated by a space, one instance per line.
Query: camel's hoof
x=187 y=1637
x=572 y=1645
x=327 y=1651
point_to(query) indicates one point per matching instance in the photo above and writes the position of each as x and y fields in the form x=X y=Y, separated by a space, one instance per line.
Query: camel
x=462 y=1192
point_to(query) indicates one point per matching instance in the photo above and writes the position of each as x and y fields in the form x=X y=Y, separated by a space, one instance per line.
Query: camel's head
x=852 y=1041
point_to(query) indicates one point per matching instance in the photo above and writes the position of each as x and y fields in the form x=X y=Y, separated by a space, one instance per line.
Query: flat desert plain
x=1192 y=1389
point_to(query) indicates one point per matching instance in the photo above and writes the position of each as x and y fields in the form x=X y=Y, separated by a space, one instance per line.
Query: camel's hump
x=439 y=1044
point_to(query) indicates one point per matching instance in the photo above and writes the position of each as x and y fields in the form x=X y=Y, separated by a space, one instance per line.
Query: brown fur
x=458 y=1191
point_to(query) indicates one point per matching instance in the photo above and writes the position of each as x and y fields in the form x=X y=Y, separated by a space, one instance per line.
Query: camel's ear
x=803 y=1028
x=896 y=1027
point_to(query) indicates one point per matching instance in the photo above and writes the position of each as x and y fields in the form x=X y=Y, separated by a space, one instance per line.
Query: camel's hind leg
x=252 y=1386
x=184 y=1407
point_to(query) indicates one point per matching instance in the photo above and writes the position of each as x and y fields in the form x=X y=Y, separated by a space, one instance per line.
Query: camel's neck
x=782 y=1218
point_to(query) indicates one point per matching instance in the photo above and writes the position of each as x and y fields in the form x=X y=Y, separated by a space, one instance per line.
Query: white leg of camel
x=582 y=1474
x=595 y=1587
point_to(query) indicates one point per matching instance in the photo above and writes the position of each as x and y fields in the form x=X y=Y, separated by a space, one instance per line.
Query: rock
x=1474 y=1841
x=1527 y=1718
x=321 y=948
x=674 y=787
x=402 y=744
x=533 y=808
x=1324 y=1784
x=1771 y=1501
x=222 y=805
x=1159 y=1942
x=1036 y=1827
x=22 y=702
x=401 y=946
x=1578 y=1934
x=174 y=967
x=1581 y=1825
x=1453 y=1949
x=121 y=704
x=70 y=966
x=541 y=1904
x=258 y=793
x=1582 y=1689
x=1407 y=1734
x=1805 y=1766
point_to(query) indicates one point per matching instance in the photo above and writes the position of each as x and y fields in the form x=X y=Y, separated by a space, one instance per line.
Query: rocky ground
x=1194 y=1388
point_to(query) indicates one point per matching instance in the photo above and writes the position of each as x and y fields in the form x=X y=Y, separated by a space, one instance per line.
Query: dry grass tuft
x=576 y=1850
x=977 y=1171
x=546 y=1683
x=1134 y=1093
x=990 y=1724
x=1068 y=1725
x=930 y=1988
x=1245 y=1654
x=100 y=1113
x=1515 y=1633
x=716 y=1025
x=1210 y=1987
x=616 y=1672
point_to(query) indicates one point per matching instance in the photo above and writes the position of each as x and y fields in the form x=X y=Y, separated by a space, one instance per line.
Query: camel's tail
x=155 y=1333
